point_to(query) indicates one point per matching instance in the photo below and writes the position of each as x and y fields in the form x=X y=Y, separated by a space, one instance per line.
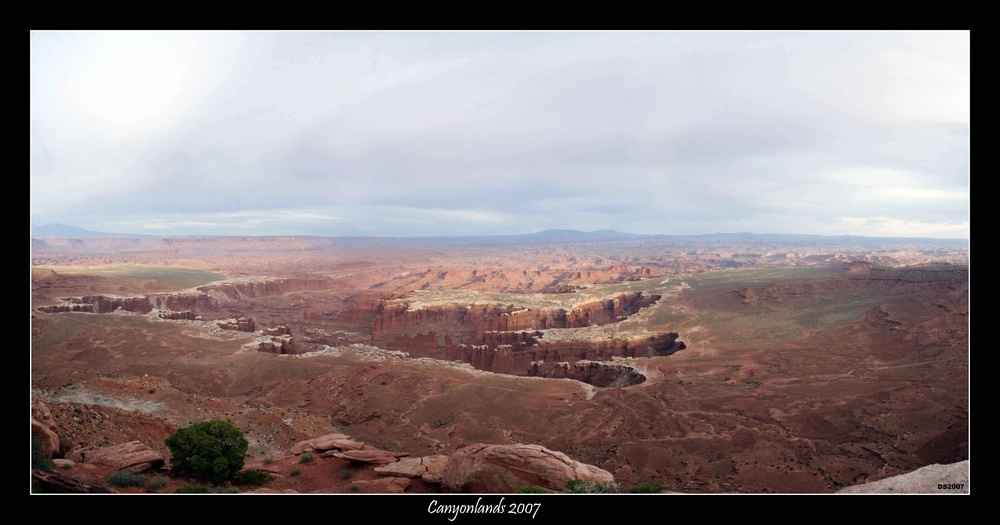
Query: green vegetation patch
x=211 y=450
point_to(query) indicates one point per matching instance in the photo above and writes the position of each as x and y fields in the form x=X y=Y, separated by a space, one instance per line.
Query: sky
x=488 y=132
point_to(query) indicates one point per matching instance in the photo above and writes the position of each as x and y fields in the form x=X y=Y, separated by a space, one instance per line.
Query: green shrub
x=650 y=487
x=295 y=473
x=306 y=457
x=124 y=478
x=155 y=483
x=345 y=473
x=252 y=477
x=577 y=486
x=192 y=489
x=531 y=489
x=39 y=460
x=211 y=450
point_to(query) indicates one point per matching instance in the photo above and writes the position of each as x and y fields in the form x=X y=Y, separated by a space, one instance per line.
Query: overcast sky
x=428 y=133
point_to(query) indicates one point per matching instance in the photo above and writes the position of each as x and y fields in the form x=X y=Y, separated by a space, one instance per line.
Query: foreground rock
x=327 y=442
x=507 y=468
x=43 y=429
x=133 y=456
x=932 y=479
x=58 y=483
x=427 y=468
x=383 y=485
x=368 y=455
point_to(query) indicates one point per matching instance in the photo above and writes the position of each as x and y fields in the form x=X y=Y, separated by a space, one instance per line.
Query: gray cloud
x=392 y=133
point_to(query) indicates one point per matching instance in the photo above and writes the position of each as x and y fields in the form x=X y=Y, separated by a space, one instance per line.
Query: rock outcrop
x=525 y=350
x=327 y=442
x=368 y=455
x=242 y=324
x=277 y=330
x=133 y=456
x=43 y=429
x=186 y=315
x=402 y=319
x=932 y=479
x=52 y=482
x=427 y=468
x=507 y=468
x=100 y=304
x=284 y=344
x=597 y=373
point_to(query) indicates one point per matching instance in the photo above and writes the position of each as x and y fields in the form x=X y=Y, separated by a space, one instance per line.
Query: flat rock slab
x=383 y=485
x=327 y=442
x=427 y=468
x=369 y=455
x=134 y=456
x=932 y=479
x=507 y=468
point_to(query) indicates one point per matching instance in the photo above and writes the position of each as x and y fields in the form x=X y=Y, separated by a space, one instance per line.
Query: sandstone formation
x=43 y=428
x=507 y=468
x=524 y=349
x=100 y=304
x=327 y=442
x=597 y=373
x=281 y=329
x=63 y=463
x=368 y=455
x=186 y=315
x=284 y=344
x=133 y=456
x=427 y=468
x=932 y=479
x=242 y=324
x=54 y=482
x=401 y=318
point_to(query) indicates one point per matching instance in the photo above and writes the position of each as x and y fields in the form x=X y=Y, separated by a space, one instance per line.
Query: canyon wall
x=394 y=319
x=597 y=373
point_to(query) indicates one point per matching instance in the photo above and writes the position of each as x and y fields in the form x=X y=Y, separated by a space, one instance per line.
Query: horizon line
x=97 y=234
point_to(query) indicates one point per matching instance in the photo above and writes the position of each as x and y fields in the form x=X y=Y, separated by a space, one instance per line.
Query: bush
x=306 y=457
x=345 y=473
x=252 y=477
x=295 y=473
x=651 y=487
x=192 y=489
x=124 y=478
x=155 y=483
x=577 y=486
x=39 y=460
x=531 y=489
x=211 y=450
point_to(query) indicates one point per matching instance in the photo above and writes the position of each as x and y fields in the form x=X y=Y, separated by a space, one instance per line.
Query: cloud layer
x=426 y=133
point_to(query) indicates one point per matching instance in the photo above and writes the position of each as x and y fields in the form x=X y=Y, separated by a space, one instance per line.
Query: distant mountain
x=63 y=230
x=577 y=236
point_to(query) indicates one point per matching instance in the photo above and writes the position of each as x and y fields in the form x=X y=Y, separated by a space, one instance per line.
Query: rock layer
x=134 y=456
x=507 y=468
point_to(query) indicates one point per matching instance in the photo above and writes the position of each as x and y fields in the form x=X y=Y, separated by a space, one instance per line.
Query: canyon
x=752 y=366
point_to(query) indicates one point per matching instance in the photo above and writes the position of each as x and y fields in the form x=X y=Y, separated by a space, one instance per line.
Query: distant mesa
x=63 y=230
